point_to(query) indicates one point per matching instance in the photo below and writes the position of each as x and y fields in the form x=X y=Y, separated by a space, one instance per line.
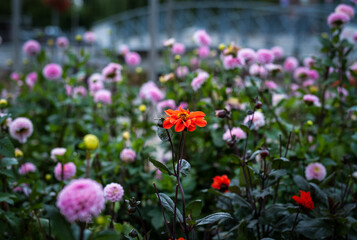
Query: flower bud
x=18 y=153
x=142 y=108
x=48 y=177
x=78 y=38
x=309 y=123
x=221 y=113
x=177 y=57
x=138 y=70
x=221 y=47
x=100 y=220
x=126 y=135
x=50 y=42
x=264 y=153
x=258 y=105
x=160 y=123
x=3 y=103
x=91 y=142
x=131 y=209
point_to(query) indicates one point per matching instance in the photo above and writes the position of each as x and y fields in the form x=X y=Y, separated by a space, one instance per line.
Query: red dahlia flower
x=221 y=183
x=304 y=200
x=183 y=118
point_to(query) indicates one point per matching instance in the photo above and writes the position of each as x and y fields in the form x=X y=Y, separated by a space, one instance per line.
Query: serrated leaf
x=162 y=167
x=169 y=205
x=185 y=167
x=213 y=218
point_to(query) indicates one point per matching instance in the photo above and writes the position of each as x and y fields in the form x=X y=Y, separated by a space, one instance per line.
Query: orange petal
x=197 y=114
x=200 y=122
x=170 y=112
x=167 y=124
x=191 y=128
x=179 y=126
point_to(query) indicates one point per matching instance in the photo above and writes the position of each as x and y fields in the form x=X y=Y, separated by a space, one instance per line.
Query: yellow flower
x=314 y=89
x=177 y=57
x=3 y=102
x=18 y=153
x=91 y=142
x=126 y=135
x=25 y=61
x=139 y=70
x=142 y=108
x=78 y=38
x=48 y=177
x=221 y=47
x=100 y=220
x=310 y=123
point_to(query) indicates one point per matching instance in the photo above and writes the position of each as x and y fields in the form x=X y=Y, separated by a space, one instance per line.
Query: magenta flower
x=301 y=73
x=230 y=62
x=127 y=155
x=277 y=51
x=80 y=91
x=257 y=70
x=31 y=79
x=21 y=128
x=27 y=168
x=346 y=9
x=257 y=118
x=201 y=37
x=69 y=170
x=103 y=96
x=203 y=52
x=199 y=80
x=166 y=104
x=89 y=37
x=313 y=74
x=113 y=192
x=183 y=105
x=195 y=62
x=111 y=72
x=31 y=48
x=248 y=55
x=150 y=92
x=271 y=85
x=337 y=19
x=181 y=71
x=236 y=131
x=96 y=86
x=308 y=82
x=81 y=200
x=178 y=49
x=96 y=77
x=15 y=76
x=132 y=59
x=265 y=56
x=311 y=99
x=62 y=42
x=290 y=64
x=57 y=152
x=315 y=171
x=52 y=71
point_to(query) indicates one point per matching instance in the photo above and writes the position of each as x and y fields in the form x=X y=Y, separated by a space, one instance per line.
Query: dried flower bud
x=264 y=153
x=133 y=233
x=258 y=105
x=221 y=113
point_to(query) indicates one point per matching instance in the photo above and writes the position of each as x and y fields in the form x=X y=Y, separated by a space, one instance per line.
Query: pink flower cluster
x=27 y=168
x=21 y=128
x=290 y=64
x=81 y=200
x=69 y=170
x=127 y=155
x=113 y=192
x=150 y=92
x=315 y=171
x=248 y=55
x=342 y=15
x=265 y=56
x=230 y=62
x=103 y=96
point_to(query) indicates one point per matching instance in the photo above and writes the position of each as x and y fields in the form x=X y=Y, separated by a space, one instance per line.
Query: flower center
x=316 y=169
x=183 y=116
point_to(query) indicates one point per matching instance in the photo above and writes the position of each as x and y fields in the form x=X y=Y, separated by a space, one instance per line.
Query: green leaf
x=6 y=148
x=8 y=162
x=245 y=128
x=59 y=225
x=194 y=208
x=7 y=197
x=316 y=228
x=319 y=193
x=162 y=134
x=301 y=182
x=169 y=205
x=282 y=159
x=104 y=235
x=185 y=167
x=162 y=167
x=215 y=217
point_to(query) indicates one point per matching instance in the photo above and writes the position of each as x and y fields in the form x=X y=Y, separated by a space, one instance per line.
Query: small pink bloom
x=166 y=104
x=315 y=171
x=199 y=80
x=201 y=37
x=203 y=52
x=27 y=168
x=31 y=79
x=31 y=48
x=150 y=92
x=308 y=82
x=89 y=37
x=112 y=72
x=15 y=76
x=68 y=90
x=124 y=49
x=178 y=49
x=158 y=174
x=337 y=19
x=278 y=52
x=24 y=188
x=113 y=192
x=80 y=91
x=132 y=59
x=195 y=62
x=257 y=70
x=276 y=98
x=183 y=105
x=69 y=170
x=311 y=99
x=271 y=85
x=57 y=152
x=230 y=62
x=258 y=119
x=127 y=155
x=52 y=71
x=313 y=74
x=62 y=42
x=248 y=55
x=309 y=62
x=290 y=64
x=103 y=96
x=301 y=73
x=181 y=71
x=236 y=131
x=265 y=56
x=346 y=9
x=21 y=128
x=168 y=42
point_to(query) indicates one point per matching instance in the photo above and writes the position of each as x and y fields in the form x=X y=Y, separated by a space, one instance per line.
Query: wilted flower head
x=103 y=96
x=149 y=91
x=290 y=64
x=127 y=155
x=132 y=59
x=197 y=82
x=315 y=171
x=237 y=132
x=52 y=71
x=201 y=37
x=21 y=128
x=31 y=48
x=69 y=170
x=265 y=56
x=112 y=72
x=181 y=71
x=257 y=118
x=89 y=37
x=278 y=52
x=113 y=192
x=203 y=52
x=81 y=200
x=31 y=79
x=57 y=152
x=62 y=42
x=178 y=49
x=337 y=19
x=248 y=55
x=311 y=99
x=166 y=104
x=346 y=9
x=27 y=168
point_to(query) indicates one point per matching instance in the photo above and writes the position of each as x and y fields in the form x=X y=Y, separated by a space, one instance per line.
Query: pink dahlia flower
x=62 y=42
x=276 y=98
x=96 y=77
x=127 y=155
x=89 y=37
x=69 y=170
x=52 y=71
x=278 y=52
x=290 y=64
x=149 y=91
x=265 y=56
x=313 y=74
x=311 y=99
x=57 y=152
x=315 y=171
x=337 y=19
x=15 y=76
x=199 y=80
x=201 y=37
x=195 y=62
x=271 y=85
x=21 y=128
x=81 y=200
x=27 y=168
x=178 y=49
x=237 y=132
x=112 y=72
x=203 y=52
x=248 y=55
x=181 y=71
x=80 y=91
x=230 y=62
x=31 y=48
x=31 y=79
x=96 y=86
x=309 y=62
x=257 y=70
x=113 y=192
x=166 y=104
x=301 y=73
x=258 y=119
x=103 y=96
x=346 y=9
x=124 y=49
x=132 y=59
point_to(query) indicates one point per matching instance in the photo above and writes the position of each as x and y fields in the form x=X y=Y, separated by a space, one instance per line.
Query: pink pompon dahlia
x=337 y=19
x=315 y=171
x=236 y=131
x=265 y=56
x=69 y=170
x=89 y=37
x=31 y=79
x=271 y=85
x=31 y=48
x=15 y=76
x=301 y=73
x=257 y=118
x=230 y=62
x=248 y=54
x=81 y=200
x=346 y=9
x=257 y=70
x=103 y=96
x=127 y=155
x=201 y=78
x=181 y=71
x=178 y=49
x=166 y=104
x=27 y=168
x=21 y=128
x=203 y=52
x=57 y=152
x=290 y=64
x=52 y=71
x=80 y=91
x=112 y=72
x=132 y=59
x=201 y=37
x=62 y=42
x=113 y=192
x=277 y=51
x=150 y=92
x=311 y=100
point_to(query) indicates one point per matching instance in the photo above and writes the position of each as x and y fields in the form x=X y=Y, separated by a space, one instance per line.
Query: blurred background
x=144 y=24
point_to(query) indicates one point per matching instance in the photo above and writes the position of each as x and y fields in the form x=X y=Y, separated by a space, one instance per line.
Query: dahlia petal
x=197 y=114
x=191 y=128
x=170 y=112
x=200 y=122
x=167 y=124
x=179 y=126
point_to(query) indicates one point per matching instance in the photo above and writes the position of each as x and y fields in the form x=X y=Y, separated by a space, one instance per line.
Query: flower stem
x=87 y=163
x=163 y=213
x=294 y=225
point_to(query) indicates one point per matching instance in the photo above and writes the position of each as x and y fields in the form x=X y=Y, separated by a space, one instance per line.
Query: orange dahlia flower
x=304 y=200
x=221 y=183
x=184 y=118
